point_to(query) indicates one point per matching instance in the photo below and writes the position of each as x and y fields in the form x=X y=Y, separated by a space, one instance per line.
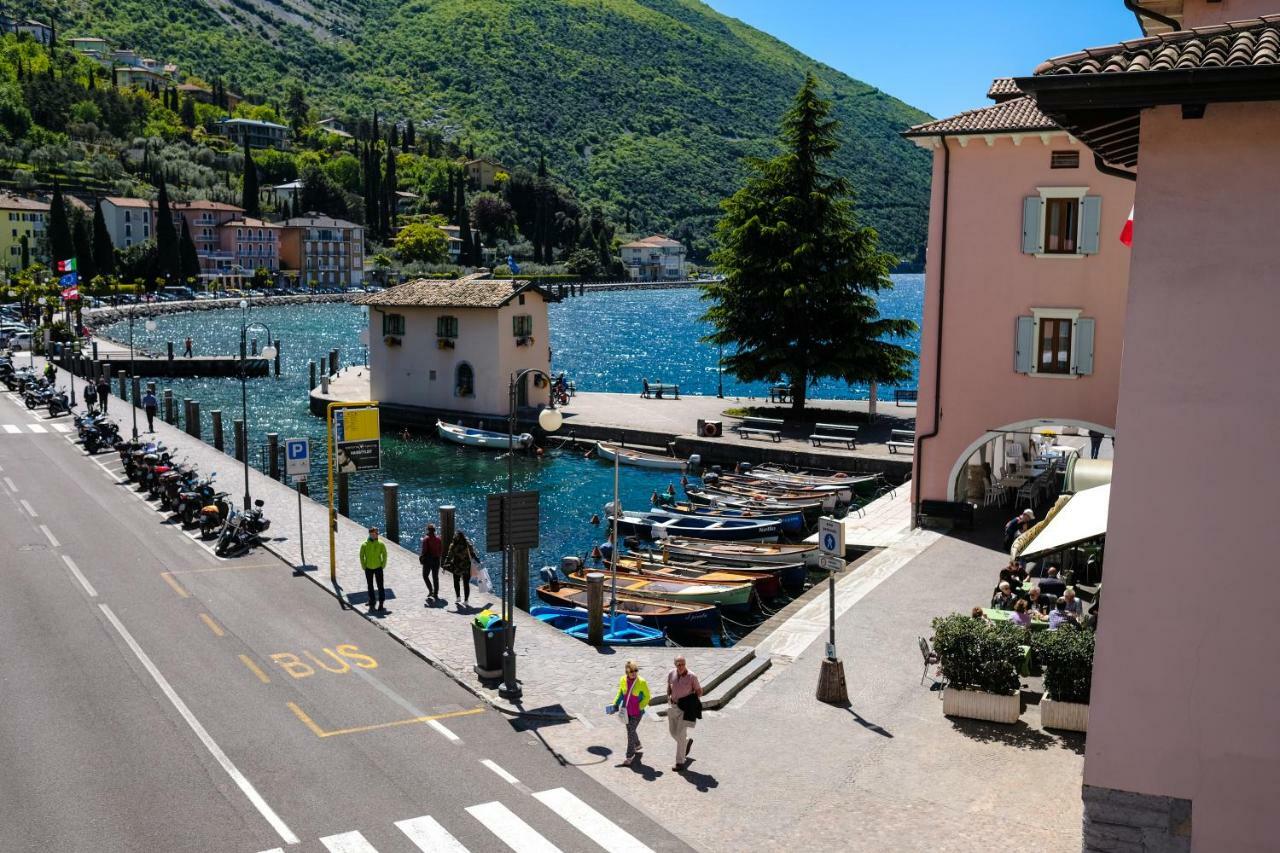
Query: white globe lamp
x=550 y=420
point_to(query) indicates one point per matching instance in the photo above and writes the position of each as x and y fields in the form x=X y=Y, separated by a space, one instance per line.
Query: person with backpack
x=90 y=396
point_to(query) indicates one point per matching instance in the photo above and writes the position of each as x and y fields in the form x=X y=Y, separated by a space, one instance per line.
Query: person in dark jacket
x=104 y=393
x=458 y=563
x=429 y=556
x=90 y=396
x=685 y=695
x=1017 y=525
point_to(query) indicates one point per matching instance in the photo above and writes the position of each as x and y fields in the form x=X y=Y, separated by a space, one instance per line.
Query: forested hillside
x=646 y=107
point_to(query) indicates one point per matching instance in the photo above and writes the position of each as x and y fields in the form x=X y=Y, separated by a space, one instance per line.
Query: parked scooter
x=58 y=403
x=98 y=437
x=242 y=531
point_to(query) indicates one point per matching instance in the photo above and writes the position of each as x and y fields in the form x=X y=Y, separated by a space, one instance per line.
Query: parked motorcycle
x=180 y=479
x=58 y=403
x=202 y=494
x=96 y=438
x=37 y=395
x=242 y=531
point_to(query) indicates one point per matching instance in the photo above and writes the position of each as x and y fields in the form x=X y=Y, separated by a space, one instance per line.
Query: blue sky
x=937 y=56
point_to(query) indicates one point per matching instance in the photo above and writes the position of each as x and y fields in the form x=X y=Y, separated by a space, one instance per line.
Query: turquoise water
x=605 y=342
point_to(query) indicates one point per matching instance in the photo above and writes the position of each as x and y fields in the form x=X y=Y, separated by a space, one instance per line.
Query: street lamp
x=549 y=419
x=720 y=373
x=150 y=326
x=268 y=352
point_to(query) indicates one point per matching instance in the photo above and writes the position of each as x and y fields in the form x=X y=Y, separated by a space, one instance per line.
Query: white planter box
x=1072 y=716
x=976 y=705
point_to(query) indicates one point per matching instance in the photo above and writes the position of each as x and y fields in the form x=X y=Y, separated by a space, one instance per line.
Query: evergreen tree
x=188 y=112
x=471 y=151
x=285 y=213
x=296 y=107
x=61 y=242
x=188 y=258
x=452 y=196
x=104 y=254
x=798 y=297
x=389 y=189
x=26 y=251
x=467 y=255
x=410 y=134
x=168 y=262
x=249 y=188
x=82 y=237
x=373 y=132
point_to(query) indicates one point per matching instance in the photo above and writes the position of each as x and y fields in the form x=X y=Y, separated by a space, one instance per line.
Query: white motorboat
x=639 y=458
x=488 y=439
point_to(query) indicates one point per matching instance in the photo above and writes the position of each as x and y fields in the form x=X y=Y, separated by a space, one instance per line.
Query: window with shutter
x=1084 y=346
x=1031 y=232
x=522 y=325
x=1061 y=221
x=446 y=327
x=1090 y=223
x=1023 y=344
x=1053 y=355
x=392 y=324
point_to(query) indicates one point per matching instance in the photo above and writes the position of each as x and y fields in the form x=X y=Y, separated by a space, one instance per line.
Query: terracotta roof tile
x=1003 y=89
x=656 y=241
x=16 y=202
x=1238 y=44
x=121 y=201
x=473 y=291
x=1019 y=114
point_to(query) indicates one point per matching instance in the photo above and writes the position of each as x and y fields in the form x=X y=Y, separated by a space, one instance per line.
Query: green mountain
x=647 y=106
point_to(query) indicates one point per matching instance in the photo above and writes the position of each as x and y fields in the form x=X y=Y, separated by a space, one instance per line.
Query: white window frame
x=1046 y=193
x=1038 y=314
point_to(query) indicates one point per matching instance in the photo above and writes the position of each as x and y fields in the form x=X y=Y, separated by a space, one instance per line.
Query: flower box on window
x=445 y=343
x=391 y=341
x=524 y=342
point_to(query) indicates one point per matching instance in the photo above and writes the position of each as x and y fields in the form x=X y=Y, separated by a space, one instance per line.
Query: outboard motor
x=744 y=467
x=695 y=462
x=569 y=565
x=550 y=579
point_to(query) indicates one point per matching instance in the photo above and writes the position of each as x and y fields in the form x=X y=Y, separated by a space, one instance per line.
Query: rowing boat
x=663 y=615
x=657 y=523
x=767 y=581
x=488 y=439
x=760 y=490
x=638 y=458
x=730 y=595
x=843 y=492
x=709 y=497
x=621 y=630
x=758 y=553
x=863 y=484
x=792 y=520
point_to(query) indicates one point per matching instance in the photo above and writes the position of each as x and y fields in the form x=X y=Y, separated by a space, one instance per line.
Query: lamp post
x=268 y=352
x=720 y=372
x=150 y=326
x=549 y=419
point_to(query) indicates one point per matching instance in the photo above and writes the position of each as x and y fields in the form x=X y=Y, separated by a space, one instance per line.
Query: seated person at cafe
x=977 y=613
x=1052 y=583
x=1003 y=598
x=1060 y=616
x=1039 y=603
x=1018 y=570
x=1006 y=576
x=1020 y=615
x=1073 y=604
x=1017 y=525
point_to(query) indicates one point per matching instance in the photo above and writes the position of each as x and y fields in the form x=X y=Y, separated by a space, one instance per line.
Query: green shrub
x=1067 y=656
x=977 y=655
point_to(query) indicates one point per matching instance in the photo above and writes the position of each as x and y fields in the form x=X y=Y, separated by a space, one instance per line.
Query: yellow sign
x=360 y=425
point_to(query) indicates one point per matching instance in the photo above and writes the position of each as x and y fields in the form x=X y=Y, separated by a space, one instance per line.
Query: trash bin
x=488 y=631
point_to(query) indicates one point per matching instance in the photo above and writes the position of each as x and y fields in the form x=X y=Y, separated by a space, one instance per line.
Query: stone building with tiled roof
x=451 y=346
x=22 y=220
x=655 y=258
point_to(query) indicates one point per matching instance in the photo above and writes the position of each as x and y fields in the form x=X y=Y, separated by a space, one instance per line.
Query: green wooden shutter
x=1084 y=346
x=1032 y=230
x=1024 y=344
x=1090 y=221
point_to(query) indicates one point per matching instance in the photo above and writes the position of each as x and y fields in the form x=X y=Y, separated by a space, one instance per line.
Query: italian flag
x=67 y=266
x=1126 y=233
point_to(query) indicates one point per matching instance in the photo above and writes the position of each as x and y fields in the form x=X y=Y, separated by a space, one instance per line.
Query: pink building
x=252 y=244
x=1024 y=292
x=1184 y=732
x=204 y=219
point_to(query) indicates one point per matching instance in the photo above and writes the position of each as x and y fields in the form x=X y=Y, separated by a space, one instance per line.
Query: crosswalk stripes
x=12 y=428
x=40 y=429
x=348 y=842
x=429 y=836
x=590 y=822
x=62 y=428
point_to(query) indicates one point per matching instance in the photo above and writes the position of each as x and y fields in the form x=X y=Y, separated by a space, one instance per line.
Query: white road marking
x=49 y=535
x=84 y=582
x=29 y=508
x=439 y=727
x=348 y=842
x=429 y=836
x=513 y=831
x=274 y=850
x=502 y=773
x=407 y=705
x=12 y=428
x=12 y=486
x=37 y=428
x=62 y=427
x=590 y=822
x=281 y=828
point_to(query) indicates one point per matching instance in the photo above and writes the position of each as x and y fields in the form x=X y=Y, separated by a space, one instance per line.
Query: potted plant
x=978 y=660
x=1067 y=657
x=391 y=341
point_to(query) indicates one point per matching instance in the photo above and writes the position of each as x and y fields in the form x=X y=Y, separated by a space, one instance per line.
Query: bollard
x=217 y=429
x=333 y=361
x=521 y=579
x=273 y=455
x=238 y=429
x=344 y=494
x=311 y=373
x=193 y=420
x=277 y=358
x=324 y=384
x=255 y=347
x=186 y=415
x=171 y=350
x=595 y=608
x=94 y=347
x=169 y=416
x=121 y=376
x=137 y=396
x=391 y=510
x=447 y=516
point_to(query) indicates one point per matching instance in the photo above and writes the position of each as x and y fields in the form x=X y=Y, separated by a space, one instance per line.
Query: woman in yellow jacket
x=632 y=699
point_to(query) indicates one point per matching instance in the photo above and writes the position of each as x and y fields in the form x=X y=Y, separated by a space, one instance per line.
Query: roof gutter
x=1101 y=166
x=937 y=354
x=1141 y=12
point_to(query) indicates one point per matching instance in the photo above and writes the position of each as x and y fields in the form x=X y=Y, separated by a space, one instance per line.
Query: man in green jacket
x=373 y=559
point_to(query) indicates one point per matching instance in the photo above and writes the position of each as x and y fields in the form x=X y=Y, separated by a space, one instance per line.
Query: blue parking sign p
x=297 y=457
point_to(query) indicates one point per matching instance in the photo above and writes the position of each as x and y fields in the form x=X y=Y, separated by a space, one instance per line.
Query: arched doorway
x=464 y=380
x=989 y=455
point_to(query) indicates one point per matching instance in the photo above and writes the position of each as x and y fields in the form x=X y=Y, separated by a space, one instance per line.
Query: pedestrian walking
x=90 y=395
x=1095 y=443
x=50 y=372
x=373 y=559
x=684 y=699
x=104 y=392
x=458 y=563
x=429 y=556
x=186 y=347
x=631 y=700
x=149 y=405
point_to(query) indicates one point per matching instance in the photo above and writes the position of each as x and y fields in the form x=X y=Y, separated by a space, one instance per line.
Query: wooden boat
x=843 y=493
x=767 y=581
x=862 y=484
x=639 y=458
x=723 y=595
x=657 y=523
x=810 y=510
x=664 y=615
x=792 y=521
x=488 y=439
x=759 y=490
x=620 y=631
x=758 y=553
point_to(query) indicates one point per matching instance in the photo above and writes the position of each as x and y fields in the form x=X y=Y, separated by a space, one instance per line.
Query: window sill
x=1060 y=255
x=1054 y=375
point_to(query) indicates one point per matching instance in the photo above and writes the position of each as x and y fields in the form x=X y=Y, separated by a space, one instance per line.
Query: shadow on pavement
x=867 y=724
x=1019 y=735
x=702 y=781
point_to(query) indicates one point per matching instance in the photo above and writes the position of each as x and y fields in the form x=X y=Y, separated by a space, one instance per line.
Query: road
x=157 y=698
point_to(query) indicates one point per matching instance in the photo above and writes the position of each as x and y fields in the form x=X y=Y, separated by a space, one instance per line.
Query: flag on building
x=71 y=279
x=515 y=268
x=70 y=293
x=1126 y=233
x=67 y=266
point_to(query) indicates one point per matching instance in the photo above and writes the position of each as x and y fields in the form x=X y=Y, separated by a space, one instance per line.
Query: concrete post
x=333 y=361
x=391 y=510
x=121 y=377
x=170 y=350
x=186 y=415
x=94 y=348
x=324 y=384
x=217 y=429
x=447 y=515
x=595 y=608
x=193 y=419
x=273 y=455
x=277 y=358
x=521 y=579
x=311 y=374
x=168 y=407
x=253 y=349
x=136 y=399
x=238 y=429
x=344 y=494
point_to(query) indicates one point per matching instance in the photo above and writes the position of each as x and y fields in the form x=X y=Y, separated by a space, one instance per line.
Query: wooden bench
x=655 y=391
x=770 y=427
x=902 y=439
x=835 y=432
x=950 y=510
x=780 y=394
x=908 y=395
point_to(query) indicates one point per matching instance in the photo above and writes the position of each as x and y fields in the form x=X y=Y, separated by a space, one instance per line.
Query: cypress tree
x=188 y=258
x=249 y=189
x=26 y=251
x=451 y=193
x=409 y=134
x=373 y=133
x=374 y=192
x=389 y=188
x=104 y=254
x=167 y=260
x=61 y=242
x=188 y=112
x=467 y=254
x=83 y=240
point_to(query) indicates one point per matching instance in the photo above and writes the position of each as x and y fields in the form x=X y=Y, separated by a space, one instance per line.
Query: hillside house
x=482 y=173
x=322 y=251
x=94 y=48
x=260 y=134
x=252 y=244
x=22 y=219
x=655 y=258
x=129 y=220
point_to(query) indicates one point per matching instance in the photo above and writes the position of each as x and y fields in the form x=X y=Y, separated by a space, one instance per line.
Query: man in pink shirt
x=682 y=683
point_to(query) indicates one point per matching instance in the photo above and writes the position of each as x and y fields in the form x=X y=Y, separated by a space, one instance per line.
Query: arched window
x=464 y=381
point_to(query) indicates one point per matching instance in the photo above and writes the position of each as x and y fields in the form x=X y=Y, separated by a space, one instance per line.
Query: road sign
x=830 y=536
x=297 y=457
x=524 y=521
x=831 y=563
x=357 y=439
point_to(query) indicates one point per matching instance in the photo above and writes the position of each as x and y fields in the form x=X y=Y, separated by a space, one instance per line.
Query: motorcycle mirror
x=259 y=502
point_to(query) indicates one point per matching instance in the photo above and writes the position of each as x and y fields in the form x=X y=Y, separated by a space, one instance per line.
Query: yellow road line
x=235 y=568
x=213 y=626
x=255 y=669
x=177 y=587
x=319 y=732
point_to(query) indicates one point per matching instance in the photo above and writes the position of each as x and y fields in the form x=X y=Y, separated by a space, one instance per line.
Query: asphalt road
x=156 y=698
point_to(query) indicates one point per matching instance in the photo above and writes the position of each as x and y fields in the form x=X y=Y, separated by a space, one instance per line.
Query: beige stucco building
x=453 y=346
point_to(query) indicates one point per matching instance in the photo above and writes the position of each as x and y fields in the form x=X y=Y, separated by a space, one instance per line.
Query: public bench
x=768 y=427
x=904 y=395
x=902 y=439
x=835 y=432
x=779 y=393
x=949 y=510
x=655 y=390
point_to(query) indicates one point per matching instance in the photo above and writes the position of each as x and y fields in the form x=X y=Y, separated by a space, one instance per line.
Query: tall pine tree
x=104 y=254
x=249 y=188
x=467 y=254
x=188 y=258
x=61 y=242
x=82 y=237
x=168 y=262
x=389 y=198
x=798 y=297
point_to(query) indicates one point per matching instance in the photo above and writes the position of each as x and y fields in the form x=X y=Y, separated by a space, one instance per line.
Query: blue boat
x=621 y=631
x=659 y=523
x=792 y=520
